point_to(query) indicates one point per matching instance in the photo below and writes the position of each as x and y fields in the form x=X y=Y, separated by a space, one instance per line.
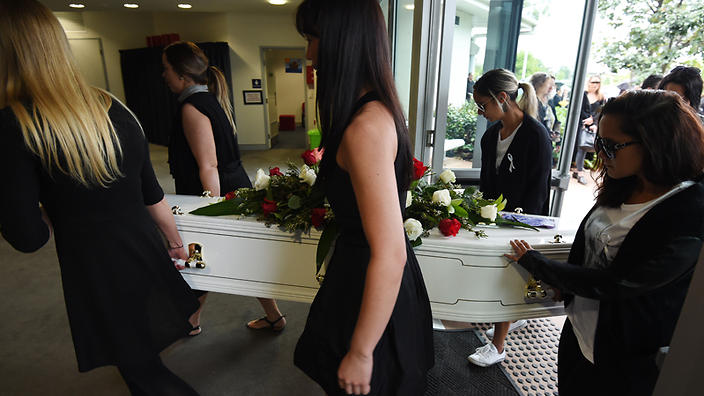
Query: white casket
x=467 y=278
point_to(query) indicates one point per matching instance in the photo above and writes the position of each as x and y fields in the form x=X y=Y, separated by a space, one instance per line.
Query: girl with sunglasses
x=632 y=260
x=516 y=162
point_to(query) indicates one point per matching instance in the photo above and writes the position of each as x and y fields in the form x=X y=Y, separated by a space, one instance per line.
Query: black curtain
x=148 y=96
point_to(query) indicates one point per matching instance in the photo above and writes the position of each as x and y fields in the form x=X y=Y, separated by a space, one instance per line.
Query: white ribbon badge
x=511 y=167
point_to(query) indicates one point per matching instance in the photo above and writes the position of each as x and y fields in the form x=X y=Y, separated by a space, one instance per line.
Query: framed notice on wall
x=253 y=97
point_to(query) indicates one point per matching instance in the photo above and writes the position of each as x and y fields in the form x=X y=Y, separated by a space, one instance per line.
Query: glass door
x=533 y=38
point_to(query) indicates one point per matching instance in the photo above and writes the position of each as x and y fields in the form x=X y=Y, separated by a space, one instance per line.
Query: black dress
x=182 y=163
x=124 y=298
x=404 y=353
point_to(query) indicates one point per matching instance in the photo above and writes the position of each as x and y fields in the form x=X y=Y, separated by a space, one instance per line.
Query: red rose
x=311 y=157
x=275 y=172
x=230 y=195
x=317 y=216
x=268 y=207
x=449 y=227
x=418 y=169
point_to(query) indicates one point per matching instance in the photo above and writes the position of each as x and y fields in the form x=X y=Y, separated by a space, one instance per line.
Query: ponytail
x=217 y=85
x=529 y=101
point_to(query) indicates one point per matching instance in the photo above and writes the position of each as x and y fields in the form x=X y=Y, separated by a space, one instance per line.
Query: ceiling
x=250 y=6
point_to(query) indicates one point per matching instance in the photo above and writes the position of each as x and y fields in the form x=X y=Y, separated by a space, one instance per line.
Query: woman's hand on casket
x=520 y=247
x=178 y=255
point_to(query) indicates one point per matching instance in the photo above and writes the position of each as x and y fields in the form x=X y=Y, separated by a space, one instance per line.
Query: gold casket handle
x=195 y=256
x=535 y=291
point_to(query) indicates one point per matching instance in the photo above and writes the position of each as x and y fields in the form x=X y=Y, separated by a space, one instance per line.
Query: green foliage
x=462 y=124
x=465 y=207
x=533 y=65
x=660 y=33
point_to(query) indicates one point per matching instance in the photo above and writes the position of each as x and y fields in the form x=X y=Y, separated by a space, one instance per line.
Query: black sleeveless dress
x=404 y=353
x=182 y=162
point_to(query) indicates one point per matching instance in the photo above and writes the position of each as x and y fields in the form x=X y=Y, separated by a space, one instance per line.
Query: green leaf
x=326 y=239
x=459 y=211
x=294 y=202
x=416 y=242
x=502 y=205
x=231 y=207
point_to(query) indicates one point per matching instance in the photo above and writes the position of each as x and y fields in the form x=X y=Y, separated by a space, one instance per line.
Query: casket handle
x=558 y=239
x=535 y=291
x=195 y=256
x=176 y=210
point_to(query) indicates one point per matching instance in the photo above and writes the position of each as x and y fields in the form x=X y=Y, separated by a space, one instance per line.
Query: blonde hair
x=187 y=59
x=63 y=120
x=502 y=80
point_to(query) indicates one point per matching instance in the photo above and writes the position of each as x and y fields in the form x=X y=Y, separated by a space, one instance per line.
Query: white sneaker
x=513 y=326
x=487 y=355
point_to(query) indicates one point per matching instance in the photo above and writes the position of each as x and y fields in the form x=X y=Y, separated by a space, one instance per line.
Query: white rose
x=307 y=175
x=443 y=197
x=261 y=181
x=409 y=198
x=413 y=228
x=489 y=212
x=448 y=176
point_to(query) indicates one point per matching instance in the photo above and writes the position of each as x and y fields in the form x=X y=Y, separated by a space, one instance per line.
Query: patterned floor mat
x=531 y=356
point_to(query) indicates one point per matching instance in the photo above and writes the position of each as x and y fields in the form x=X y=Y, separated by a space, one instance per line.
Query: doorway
x=285 y=89
x=88 y=53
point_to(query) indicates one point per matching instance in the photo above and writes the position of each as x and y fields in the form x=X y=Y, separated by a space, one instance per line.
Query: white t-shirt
x=604 y=232
x=502 y=146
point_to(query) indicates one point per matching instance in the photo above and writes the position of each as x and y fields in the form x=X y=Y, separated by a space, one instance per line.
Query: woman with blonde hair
x=203 y=152
x=592 y=101
x=516 y=163
x=74 y=161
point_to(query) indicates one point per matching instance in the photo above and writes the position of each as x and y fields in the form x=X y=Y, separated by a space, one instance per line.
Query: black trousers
x=630 y=375
x=152 y=378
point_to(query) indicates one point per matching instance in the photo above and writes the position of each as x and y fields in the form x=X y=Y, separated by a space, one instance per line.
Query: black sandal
x=197 y=329
x=271 y=324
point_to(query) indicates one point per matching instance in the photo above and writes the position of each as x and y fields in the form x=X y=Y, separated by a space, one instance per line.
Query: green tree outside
x=661 y=34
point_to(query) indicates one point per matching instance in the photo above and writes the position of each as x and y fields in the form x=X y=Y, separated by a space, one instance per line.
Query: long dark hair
x=187 y=59
x=670 y=133
x=691 y=81
x=353 y=54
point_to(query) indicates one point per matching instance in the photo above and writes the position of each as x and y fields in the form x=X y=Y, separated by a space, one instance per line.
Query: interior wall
x=118 y=30
x=290 y=88
x=246 y=34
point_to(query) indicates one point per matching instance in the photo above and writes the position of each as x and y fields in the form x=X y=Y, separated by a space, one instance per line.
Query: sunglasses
x=595 y=82
x=610 y=149
x=482 y=106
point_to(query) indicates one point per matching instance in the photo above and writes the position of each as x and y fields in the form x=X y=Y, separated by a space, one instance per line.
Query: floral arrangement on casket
x=448 y=207
x=292 y=201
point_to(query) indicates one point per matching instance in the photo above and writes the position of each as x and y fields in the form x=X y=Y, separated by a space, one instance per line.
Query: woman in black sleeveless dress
x=369 y=330
x=203 y=151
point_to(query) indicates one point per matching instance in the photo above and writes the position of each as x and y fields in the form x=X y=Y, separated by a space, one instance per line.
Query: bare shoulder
x=372 y=128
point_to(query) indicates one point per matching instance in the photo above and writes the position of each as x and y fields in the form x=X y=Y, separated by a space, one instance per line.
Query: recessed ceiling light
x=277 y=2
x=131 y=5
x=77 y=5
x=184 y=5
x=409 y=7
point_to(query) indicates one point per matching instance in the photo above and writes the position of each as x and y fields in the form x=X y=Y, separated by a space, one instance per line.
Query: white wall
x=461 y=45
x=247 y=34
x=290 y=87
x=117 y=30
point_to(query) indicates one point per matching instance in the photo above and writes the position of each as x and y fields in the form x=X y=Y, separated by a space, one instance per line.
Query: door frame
x=265 y=88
